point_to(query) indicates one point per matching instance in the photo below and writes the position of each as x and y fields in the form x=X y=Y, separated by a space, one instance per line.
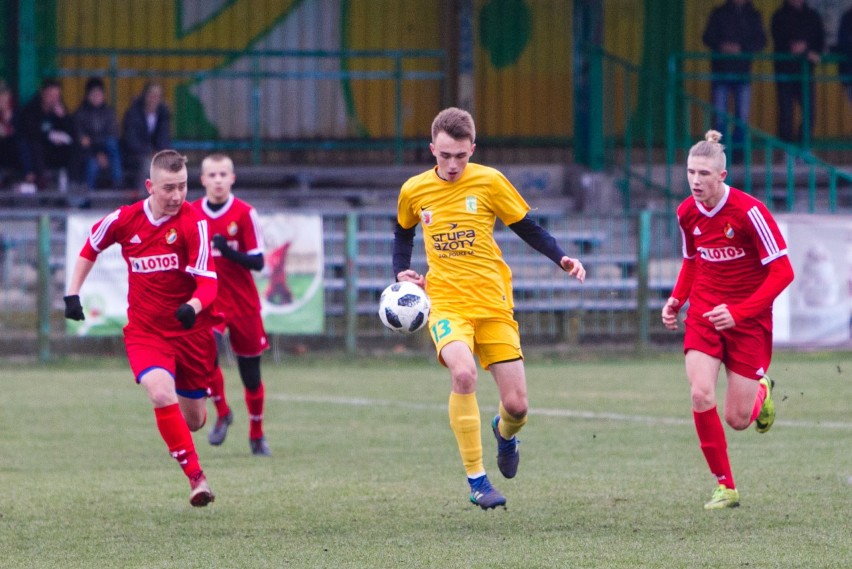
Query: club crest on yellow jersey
x=470 y=204
x=426 y=217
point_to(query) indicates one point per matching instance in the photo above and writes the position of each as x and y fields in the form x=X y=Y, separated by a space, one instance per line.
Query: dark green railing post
x=28 y=73
x=351 y=298
x=588 y=84
x=806 y=105
x=628 y=140
x=596 y=138
x=643 y=254
x=44 y=293
x=112 y=73
x=671 y=128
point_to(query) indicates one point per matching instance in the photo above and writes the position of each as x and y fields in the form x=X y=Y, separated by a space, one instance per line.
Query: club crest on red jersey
x=729 y=231
x=232 y=228
x=171 y=236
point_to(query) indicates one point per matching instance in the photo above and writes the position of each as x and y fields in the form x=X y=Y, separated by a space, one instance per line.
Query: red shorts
x=190 y=359
x=745 y=349
x=246 y=334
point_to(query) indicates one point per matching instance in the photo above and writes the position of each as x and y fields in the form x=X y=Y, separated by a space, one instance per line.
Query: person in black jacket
x=9 y=166
x=46 y=135
x=97 y=129
x=844 y=48
x=735 y=28
x=146 y=131
x=797 y=30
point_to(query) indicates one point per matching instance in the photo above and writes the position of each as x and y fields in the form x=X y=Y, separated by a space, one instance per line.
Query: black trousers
x=790 y=94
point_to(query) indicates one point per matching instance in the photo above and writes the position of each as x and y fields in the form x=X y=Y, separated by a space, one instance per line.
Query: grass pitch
x=365 y=472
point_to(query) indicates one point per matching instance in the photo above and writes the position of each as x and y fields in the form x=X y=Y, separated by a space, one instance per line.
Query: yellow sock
x=466 y=425
x=508 y=424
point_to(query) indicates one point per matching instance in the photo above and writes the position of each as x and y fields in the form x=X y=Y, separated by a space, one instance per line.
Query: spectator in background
x=734 y=28
x=146 y=131
x=844 y=48
x=46 y=136
x=97 y=129
x=8 y=139
x=797 y=30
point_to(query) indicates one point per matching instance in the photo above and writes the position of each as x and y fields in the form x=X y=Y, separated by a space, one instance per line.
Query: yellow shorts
x=495 y=339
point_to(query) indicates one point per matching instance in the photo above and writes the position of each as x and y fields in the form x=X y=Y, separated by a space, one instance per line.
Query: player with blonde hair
x=735 y=264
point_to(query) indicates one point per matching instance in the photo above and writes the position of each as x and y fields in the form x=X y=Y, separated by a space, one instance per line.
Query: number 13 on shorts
x=440 y=329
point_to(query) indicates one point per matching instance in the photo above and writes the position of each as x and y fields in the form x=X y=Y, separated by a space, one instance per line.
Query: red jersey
x=164 y=258
x=732 y=244
x=238 y=222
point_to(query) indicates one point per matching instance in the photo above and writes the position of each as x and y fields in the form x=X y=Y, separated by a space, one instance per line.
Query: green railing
x=631 y=138
x=688 y=117
x=652 y=121
x=799 y=169
x=632 y=262
x=397 y=63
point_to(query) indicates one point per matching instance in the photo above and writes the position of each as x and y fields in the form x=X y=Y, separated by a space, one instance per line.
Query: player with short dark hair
x=237 y=244
x=171 y=286
x=470 y=287
x=735 y=264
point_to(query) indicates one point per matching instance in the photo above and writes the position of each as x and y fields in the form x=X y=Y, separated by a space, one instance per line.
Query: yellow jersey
x=467 y=272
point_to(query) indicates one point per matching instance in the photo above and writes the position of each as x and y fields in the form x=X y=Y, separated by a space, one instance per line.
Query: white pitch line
x=567 y=413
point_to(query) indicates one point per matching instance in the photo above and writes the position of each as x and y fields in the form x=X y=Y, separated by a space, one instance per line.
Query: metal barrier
x=646 y=156
x=123 y=68
x=632 y=263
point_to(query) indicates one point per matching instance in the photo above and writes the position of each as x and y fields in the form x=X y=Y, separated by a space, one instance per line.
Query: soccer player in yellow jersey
x=470 y=286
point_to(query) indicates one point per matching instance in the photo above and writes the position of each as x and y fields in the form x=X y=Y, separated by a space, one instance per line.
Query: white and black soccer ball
x=404 y=307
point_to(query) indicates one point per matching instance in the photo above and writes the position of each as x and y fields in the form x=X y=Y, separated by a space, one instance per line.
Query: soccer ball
x=404 y=307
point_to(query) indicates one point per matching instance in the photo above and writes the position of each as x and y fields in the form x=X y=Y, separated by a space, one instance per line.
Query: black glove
x=186 y=314
x=73 y=308
x=220 y=242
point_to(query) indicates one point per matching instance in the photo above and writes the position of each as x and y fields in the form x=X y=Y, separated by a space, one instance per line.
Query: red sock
x=176 y=434
x=711 y=435
x=758 y=402
x=217 y=392
x=254 y=403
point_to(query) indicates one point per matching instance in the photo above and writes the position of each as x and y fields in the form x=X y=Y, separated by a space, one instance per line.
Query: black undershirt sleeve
x=403 y=246
x=538 y=238
x=251 y=262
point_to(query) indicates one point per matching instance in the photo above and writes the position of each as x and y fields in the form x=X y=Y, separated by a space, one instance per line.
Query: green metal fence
x=122 y=70
x=632 y=263
x=649 y=157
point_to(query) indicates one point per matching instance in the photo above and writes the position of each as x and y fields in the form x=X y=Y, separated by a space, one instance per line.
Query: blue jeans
x=110 y=148
x=740 y=93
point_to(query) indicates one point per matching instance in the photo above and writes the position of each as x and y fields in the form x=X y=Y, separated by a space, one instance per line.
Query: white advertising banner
x=290 y=285
x=816 y=308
